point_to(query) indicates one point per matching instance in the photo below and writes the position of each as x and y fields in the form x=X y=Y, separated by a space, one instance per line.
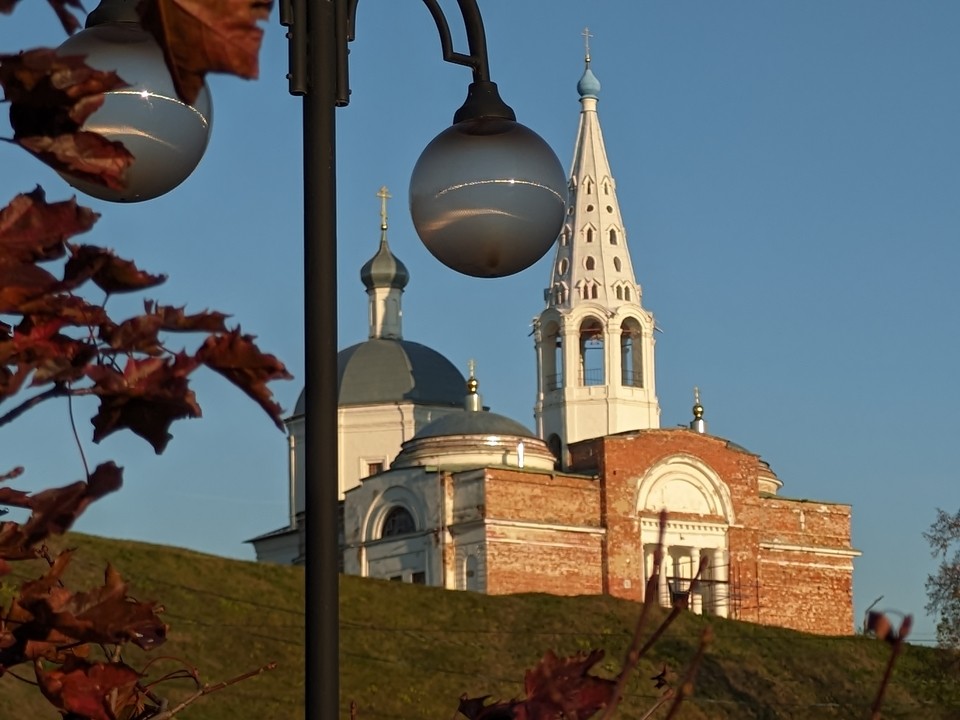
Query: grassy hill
x=409 y=652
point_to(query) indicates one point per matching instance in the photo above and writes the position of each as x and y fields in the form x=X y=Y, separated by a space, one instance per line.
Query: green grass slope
x=409 y=652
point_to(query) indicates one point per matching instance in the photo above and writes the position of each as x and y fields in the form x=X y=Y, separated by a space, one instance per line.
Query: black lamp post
x=487 y=198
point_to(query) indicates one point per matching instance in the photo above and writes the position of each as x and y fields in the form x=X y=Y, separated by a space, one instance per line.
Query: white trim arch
x=686 y=485
x=675 y=482
x=392 y=497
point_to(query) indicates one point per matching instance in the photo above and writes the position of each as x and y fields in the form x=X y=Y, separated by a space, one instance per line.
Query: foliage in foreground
x=58 y=341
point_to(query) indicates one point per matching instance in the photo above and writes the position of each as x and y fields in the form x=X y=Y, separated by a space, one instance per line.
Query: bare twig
x=896 y=643
x=208 y=689
x=686 y=687
x=668 y=693
x=58 y=390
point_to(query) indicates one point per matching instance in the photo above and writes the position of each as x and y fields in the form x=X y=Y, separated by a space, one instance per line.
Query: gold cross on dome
x=586 y=42
x=384 y=195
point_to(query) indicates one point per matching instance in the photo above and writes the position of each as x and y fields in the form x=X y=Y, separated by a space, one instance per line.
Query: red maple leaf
x=556 y=688
x=50 y=97
x=201 y=36
x=236 y=357
x=89 y=690
x=32 y=230
x=145 y=398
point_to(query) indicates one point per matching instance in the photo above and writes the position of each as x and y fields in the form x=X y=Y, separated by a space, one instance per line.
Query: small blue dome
x=588 y=86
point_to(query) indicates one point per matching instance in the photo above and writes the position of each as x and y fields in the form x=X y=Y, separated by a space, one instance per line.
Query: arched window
x=606 y=188
x=631 y=358
x=589 y=235
x=616 y=264
x=590 y=263
x=593 y=291
x=619 y=292
x=591 y=352
x=626 y=293
x=613 y=236
x=551 y=356
x=589 y=186
x=565 y=237
x=562 y=266
x=398 y=521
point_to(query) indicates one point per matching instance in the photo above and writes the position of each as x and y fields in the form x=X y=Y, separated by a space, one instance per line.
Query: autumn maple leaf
x=236 y=357
x=556 y=688
x=50 y=97
x=145 y=398
x=89 y=690
x=201 y=36
x=33 y=230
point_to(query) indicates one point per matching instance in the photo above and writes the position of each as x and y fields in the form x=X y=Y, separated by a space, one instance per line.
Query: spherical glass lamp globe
x=487 y=197
x=166 y=136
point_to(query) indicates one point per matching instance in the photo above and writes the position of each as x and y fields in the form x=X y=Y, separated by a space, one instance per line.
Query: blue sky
x=788 y=175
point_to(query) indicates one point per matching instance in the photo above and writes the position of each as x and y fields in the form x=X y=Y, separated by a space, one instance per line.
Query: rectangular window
x=419 y=578
x=374 y=468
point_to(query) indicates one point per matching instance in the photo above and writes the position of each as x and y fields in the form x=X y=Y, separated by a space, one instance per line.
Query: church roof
x=385 y=371
x=468 y=422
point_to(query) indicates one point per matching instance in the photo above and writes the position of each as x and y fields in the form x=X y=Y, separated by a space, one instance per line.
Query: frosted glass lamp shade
x=487 y=197
x=166 y=136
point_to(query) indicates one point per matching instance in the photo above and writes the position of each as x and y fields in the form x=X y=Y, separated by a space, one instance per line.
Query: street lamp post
x=487 y=198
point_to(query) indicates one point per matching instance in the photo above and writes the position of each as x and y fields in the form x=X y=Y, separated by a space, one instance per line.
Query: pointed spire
x=698 y=424
x=472 y=402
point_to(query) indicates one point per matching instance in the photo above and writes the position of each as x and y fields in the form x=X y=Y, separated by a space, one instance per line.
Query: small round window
x=589 y=208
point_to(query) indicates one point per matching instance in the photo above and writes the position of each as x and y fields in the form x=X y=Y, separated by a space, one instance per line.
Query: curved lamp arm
x=483 y=99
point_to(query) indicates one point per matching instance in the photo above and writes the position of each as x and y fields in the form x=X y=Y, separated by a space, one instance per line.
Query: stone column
x=666 y=568
x=696 y=598
x=721 y=588
x=647 y=567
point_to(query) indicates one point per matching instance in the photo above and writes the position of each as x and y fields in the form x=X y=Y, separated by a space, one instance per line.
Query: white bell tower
x=594 y=341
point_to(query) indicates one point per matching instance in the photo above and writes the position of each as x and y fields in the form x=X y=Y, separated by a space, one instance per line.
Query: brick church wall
x=790 y=561
x=545 y=521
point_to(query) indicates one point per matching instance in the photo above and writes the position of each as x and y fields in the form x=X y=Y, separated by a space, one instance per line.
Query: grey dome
x=384 y=269
x=385 y=371
x=469 y=422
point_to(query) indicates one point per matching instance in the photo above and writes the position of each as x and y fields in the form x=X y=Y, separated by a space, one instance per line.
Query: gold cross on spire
x=586 y=42
x=696 y=395
x=384 y=195
x=471 y=366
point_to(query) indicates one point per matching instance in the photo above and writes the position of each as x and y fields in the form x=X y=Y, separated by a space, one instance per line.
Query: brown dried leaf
x=51 y=96
x=108 y=272
x=556 y=688
x=69 y=21
x=176 y=320
x=84 y=155
x=201 y=36
x=33 y=230
x=237 y=358
x=89 y=691
x=145 y=398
